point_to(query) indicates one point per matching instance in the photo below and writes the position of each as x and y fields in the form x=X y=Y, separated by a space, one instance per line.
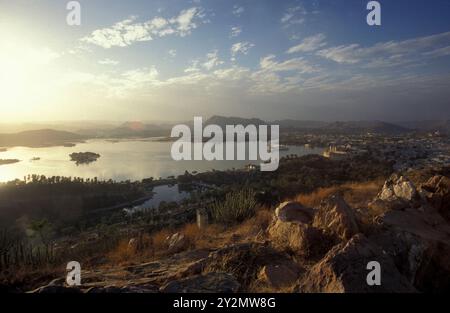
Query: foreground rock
x=343 y=269
x=397 y=193
x=295 y=212
x=176 y=242
x=437 y=192
x=300 y=239
x=336 y=218
x=211 y=282
x=279 y=275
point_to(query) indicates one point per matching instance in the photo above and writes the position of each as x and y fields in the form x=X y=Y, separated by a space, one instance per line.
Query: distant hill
x=429 y=125
x=137 y=129
x=377 y=127
x=39 y=138
x=222 y=121
x=299 y=124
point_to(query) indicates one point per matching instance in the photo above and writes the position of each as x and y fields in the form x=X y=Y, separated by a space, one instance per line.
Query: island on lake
x=84 y=157
x=8 y=161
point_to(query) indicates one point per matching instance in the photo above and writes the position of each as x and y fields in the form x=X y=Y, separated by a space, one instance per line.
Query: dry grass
x=149 y=247
x=121 y=253
x=255 y=225
x=355 y=194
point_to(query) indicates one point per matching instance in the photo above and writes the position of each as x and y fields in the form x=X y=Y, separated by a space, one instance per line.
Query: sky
x=272 y=59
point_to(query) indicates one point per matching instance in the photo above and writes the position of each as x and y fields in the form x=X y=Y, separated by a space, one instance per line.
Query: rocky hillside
x=326 y=248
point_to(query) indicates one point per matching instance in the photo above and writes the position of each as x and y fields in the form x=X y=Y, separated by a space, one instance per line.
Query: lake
x=120 y=160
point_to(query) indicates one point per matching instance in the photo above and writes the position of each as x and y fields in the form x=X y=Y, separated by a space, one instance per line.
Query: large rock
x=292 y=211
x=176 y=243
x=279 y=275
x=398 y=193
x=419 y=243
x=437 y=192
x=211 y=282
x=343 y=269
x=335 y=217
x=301 y=239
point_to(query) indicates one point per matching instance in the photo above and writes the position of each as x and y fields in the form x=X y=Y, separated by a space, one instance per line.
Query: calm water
x=120 y=160
x=162 y=193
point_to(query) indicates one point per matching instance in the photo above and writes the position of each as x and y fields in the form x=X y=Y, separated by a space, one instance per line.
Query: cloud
x=391 y=53
x=212 y=60
x=173 y=53
x=108 y=62
x=309 y=44
x=299 y=65
x=128 y=31
x=238 y=10
x=439 y=52
x=293 y=16
x=240 y=47
x=235 y=31
x=193 y=67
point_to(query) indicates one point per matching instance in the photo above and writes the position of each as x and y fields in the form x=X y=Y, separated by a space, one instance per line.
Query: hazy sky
x=171 y=60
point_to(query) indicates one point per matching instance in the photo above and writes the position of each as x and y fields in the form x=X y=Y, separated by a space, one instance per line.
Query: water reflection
x=121 y=160
x=161 y=193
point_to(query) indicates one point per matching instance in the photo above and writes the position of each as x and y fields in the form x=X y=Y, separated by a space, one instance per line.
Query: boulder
x=211 y=282
x=344 y=269
x=398 y=193
x=301 y=239
x=437 y=193
x=419 y=243
x=292 y=211
x=336 y=218
x=279 y=275
x=176 y=243
x=132 y=244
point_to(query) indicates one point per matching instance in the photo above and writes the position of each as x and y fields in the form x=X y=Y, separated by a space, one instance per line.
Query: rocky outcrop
x=279 y=275
x=343 y=269
x=437 y=192
x=211 y=282
x=398 y=193
x=300 y=239
x=294 y=212
x=176 y=243
x=417 y=236
x=336 y=218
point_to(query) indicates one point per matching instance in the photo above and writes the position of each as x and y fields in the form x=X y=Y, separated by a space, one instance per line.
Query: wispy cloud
x=240 y=47
x=108 y=62
x=172 y=53
x=238 y=10
x=212 y=60
x=235 y=31
x=390 y=53
x=128 y=31
x=309 y=44
x=294 y=15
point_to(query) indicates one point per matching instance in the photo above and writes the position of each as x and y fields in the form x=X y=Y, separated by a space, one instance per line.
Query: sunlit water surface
x=121 y=160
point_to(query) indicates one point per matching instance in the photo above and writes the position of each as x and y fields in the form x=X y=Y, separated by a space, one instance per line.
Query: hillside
x=39 y=138
x=377 y=127
x=299 y=124
x=222 y=121
x=428 y=125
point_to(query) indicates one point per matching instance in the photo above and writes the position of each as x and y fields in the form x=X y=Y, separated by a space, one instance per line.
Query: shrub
x=235 y=208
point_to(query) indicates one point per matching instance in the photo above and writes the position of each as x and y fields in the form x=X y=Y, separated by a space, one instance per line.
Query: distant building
x=334 y=154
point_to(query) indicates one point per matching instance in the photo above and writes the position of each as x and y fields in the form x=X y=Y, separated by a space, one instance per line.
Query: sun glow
x=26 y=76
